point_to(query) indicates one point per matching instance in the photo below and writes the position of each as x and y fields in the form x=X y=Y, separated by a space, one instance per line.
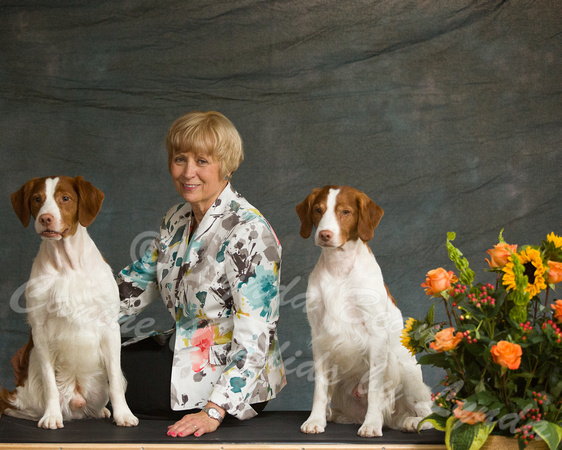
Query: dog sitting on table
x=71 y=365
x=363 y=374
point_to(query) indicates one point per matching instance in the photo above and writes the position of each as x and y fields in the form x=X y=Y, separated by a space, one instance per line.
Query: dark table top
x=272 y=427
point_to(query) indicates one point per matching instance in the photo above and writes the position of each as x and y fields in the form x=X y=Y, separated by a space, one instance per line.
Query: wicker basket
x=504 y=443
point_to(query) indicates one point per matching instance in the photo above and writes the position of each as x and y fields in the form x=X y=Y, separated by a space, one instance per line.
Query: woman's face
x=197 y=179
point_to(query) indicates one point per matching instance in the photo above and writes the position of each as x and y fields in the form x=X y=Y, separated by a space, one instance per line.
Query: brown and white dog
x=72 y=304
x=363 y=374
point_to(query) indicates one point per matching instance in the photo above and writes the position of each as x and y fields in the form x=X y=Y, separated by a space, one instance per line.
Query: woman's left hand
x=197 y=424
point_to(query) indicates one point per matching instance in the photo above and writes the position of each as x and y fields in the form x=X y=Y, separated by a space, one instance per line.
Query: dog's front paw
x=51 y=421
x=369 y=430
x=105 y=413
x=313 y=426
x=126 y=419
x=410 y=424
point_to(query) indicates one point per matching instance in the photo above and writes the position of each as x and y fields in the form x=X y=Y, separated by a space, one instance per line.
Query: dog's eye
x=65 y=198
x=346 y=212
x=318 y=210
x=37 y=199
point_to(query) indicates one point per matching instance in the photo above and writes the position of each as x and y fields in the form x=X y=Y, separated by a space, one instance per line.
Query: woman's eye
x=202 y=161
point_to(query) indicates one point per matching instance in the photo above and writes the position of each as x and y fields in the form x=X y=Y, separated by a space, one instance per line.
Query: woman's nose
x=189 y=171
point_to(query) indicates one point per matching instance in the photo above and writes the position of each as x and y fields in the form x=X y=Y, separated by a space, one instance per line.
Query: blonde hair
x=210 y=133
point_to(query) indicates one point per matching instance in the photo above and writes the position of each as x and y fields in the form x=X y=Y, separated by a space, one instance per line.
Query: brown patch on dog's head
x=77 y=200
x=357 y=214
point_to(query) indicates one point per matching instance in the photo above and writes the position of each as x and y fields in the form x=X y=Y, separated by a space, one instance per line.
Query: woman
x=216 y=265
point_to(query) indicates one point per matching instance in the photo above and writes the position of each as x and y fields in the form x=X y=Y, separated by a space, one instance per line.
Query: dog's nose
x=46 y=219
x=326 y=235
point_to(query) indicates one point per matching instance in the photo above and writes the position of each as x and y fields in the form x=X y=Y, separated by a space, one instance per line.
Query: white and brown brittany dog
x=363 y=374
x=72 y=305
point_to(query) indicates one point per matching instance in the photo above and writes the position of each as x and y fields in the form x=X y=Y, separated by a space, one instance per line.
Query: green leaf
x=483 y=431
x=451 y=421
x=501 y=239
x=485 y=398
x=438 y=421
x=480 y=387
x=430 y=315
x=549 y=432
x=519 y=296
x=556 y=390
x=518 y=313
x=466 y=275
x=526 y=375
x=436 y=359
x=465 y=436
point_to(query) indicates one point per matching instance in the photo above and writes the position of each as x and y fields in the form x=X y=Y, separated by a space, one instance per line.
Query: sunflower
x=405 y=338
x=534 y=270
x=556 y=240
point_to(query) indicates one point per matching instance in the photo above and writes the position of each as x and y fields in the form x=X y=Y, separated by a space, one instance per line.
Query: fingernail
x=181 y=434
x=197 y=435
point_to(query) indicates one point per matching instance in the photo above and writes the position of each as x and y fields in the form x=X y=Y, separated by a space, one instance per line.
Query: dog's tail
x=6 y=400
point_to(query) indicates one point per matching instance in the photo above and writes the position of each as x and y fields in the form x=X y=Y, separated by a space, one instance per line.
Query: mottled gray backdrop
x=447 y=113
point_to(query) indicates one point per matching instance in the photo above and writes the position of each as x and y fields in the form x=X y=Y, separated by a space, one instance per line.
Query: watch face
x=213 y=414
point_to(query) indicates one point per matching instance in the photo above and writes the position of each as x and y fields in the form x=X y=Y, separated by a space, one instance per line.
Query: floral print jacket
x=222 y=289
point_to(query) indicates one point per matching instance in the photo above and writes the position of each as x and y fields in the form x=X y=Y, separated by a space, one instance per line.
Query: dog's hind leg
x=413 y=401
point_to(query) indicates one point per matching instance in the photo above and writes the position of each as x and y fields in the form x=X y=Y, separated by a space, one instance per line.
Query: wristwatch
x=213 y=413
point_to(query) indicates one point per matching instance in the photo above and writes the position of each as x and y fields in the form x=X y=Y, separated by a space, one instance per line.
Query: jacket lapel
x=209 y=226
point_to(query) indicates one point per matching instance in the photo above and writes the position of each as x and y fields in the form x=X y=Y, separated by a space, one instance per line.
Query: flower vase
x=506 y=443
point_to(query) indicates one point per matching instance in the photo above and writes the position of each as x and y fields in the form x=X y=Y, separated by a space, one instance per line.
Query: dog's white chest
x=86 y=297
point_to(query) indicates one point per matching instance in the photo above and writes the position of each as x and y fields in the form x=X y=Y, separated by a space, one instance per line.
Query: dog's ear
x=90 y=199
x=370 y=215
x=20 y=202
x=304 y=211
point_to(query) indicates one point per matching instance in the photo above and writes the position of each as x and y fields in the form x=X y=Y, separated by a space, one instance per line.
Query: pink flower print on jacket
x=202 y=340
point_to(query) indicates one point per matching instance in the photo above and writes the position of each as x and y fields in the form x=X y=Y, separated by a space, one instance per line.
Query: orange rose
x=438 y=280
x=446 y=340
x=470 y=417
x=557 y=310
x=554 y=272
x=507 y=354
x=499 y=254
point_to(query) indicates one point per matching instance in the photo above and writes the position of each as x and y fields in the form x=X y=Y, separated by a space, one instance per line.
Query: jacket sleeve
x=253 y=260
x=138 y=286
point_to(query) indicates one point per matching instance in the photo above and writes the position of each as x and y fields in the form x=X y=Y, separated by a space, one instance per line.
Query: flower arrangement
x=500 y=346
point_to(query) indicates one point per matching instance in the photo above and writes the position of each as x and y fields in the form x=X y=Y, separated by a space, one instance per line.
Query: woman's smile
x=190 y=187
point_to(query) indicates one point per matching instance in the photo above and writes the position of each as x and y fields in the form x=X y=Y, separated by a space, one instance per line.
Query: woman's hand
x=197 y=424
